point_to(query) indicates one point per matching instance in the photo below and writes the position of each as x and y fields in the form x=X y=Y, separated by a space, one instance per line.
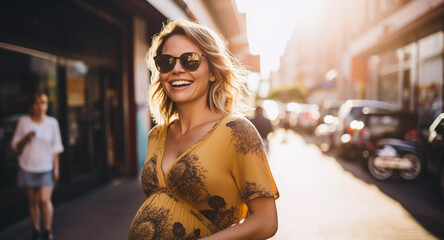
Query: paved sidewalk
x=320 y=200
x=105 y=213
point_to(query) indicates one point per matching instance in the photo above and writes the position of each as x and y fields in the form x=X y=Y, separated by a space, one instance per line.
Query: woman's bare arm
x=25 y=140
x=261 y=222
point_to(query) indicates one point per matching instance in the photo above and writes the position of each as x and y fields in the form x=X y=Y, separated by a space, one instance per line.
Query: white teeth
x=180 y=83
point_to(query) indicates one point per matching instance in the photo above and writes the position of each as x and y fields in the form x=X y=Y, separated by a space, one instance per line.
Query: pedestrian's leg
x=47 y=208
x=34 y=208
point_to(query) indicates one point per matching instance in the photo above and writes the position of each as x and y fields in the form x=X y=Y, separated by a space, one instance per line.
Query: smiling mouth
x=180 y=83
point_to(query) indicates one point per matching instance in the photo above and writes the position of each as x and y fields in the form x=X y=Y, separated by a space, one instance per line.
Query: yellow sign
x=75 y=90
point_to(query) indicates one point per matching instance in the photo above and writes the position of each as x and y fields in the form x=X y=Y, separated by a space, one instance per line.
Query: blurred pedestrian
x=263 y=125
x=37 y=140
x=206 y=166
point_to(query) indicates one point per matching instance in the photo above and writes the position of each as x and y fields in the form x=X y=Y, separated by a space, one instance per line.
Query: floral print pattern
x=245 y=138
x=207 y=188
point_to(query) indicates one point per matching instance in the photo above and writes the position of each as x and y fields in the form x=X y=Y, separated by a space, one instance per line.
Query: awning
x=168 y=8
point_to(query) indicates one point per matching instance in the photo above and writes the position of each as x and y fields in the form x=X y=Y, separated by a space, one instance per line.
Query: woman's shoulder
x=234 y=117
x=51 y=120
x=238 y=124
x=236 y=120
x=158 y=128
x=24 y=118
x=155 y=131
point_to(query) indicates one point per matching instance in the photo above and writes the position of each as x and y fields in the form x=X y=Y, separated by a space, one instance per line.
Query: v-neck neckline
x=164 y=175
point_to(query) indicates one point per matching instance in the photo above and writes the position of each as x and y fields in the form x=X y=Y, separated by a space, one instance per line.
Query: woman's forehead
x=40 y=99
x=178 y=44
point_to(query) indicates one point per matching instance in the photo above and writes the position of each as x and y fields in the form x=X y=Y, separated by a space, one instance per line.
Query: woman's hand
x=55 y=171
x=55 y=174
x=30 y=136
x=260 y=223
x=25 y=140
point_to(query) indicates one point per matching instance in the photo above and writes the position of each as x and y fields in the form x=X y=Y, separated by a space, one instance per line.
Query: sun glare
x=270 y=25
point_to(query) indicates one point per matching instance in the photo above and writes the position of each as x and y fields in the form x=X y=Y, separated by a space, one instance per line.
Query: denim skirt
x=27 y=179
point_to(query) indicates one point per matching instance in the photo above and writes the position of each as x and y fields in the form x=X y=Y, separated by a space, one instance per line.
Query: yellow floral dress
x=206 y=188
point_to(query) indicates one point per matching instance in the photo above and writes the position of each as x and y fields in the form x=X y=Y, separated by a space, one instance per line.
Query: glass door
x=85 y=120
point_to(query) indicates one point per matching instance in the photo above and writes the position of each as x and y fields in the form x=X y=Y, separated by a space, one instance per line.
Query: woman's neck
x=190 y=117
x=38 y=117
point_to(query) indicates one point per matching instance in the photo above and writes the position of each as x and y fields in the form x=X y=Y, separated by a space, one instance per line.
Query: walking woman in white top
x=37 y=139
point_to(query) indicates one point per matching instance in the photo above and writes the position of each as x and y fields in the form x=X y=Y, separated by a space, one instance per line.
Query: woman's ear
x=212 y=78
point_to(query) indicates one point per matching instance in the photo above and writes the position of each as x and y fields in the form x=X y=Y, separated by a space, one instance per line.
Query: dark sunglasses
x=190 y=61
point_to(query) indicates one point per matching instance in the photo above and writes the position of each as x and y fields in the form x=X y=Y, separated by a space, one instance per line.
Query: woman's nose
x=177 y=66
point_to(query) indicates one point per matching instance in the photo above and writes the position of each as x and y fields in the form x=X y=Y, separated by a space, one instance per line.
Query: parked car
x=435 y=140
x=328 y=111
x=327 y=125
x=299 y=116
x=307 y=117
x=351 y=110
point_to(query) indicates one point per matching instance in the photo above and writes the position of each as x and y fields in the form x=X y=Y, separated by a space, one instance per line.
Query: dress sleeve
x=250 y=169
x=57 y=146
x=153 y=137
x=18 y=134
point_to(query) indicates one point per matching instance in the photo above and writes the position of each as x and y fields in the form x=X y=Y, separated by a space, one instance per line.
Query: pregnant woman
x=206 y=173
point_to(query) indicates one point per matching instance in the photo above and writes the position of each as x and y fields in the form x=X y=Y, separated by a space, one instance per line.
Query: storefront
x=81 y=55
x=411 y=77
x=400 y=60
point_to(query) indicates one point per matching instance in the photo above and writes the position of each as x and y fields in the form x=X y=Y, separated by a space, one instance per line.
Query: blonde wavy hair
x=226 y=94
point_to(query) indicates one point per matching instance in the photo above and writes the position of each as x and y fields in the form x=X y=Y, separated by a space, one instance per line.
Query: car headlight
x=345 y=138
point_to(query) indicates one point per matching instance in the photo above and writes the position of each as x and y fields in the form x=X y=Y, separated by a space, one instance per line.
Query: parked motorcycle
x=372 y=126
x=411 y=158
x=405 y=157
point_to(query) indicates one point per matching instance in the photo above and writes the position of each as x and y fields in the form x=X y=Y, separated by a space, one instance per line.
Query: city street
x=320 y=198
x=325 y=198
x=81 y=87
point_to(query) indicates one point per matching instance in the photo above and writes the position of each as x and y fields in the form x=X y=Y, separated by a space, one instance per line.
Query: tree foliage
x=292 y=93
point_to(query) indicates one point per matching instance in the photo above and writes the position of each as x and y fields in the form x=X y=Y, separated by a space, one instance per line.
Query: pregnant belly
x=164 y=217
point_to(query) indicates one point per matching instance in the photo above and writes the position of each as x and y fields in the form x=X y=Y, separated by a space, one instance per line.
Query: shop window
x=388 y=78
x=430 y=88
x=407 y=70
x=431 y=46
x=76 y=98
x=388 y=88
x=84 y=118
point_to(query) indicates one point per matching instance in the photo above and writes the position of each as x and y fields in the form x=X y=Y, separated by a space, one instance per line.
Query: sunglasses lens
x=164 y=63
x=190 y=61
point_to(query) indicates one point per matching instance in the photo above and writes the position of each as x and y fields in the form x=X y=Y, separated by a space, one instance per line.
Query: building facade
x=395 y=54
x=89 y=57
x=388 y=50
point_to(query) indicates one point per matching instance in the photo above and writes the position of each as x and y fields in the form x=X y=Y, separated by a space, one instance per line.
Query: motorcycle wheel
x=378 y=173
x=415 y=171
